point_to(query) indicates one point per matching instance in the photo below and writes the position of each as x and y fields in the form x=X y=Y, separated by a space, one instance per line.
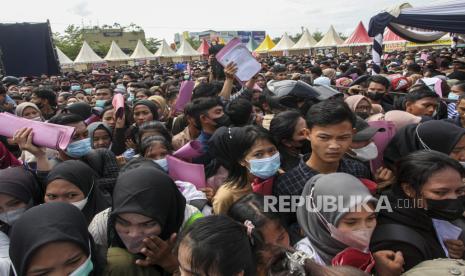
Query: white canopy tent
x=165 y=50
x=141 y=52
x=186 y=52
x=87 y=55
x=64 y=60
x=285 y=44
x=330 y=39
x=115 y=53
x=305 y=42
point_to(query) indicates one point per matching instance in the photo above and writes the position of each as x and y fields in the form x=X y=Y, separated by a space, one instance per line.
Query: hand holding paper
x=188 y=172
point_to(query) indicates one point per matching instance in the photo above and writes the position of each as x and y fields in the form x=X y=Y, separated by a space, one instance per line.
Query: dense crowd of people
x=311 y=128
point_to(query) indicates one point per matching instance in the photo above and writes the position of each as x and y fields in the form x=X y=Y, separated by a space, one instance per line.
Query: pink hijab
x=353 y=101
x=398 y=117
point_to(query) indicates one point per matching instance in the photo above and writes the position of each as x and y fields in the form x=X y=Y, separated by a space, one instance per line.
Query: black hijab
x=47 y=223
x=151 y=105
x=22 y=185
x=83 y=177
x=149 y=192
x=436 y=135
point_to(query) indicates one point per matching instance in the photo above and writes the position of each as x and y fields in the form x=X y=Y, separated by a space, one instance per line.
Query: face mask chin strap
x=423 y=144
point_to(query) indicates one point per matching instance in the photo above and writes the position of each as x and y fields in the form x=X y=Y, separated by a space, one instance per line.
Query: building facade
x=126 y=40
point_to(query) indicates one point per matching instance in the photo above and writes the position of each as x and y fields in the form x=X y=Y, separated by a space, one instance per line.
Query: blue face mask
x=266 y=167
x=162 y=163
x=79 y=148
x=121 y=86
x=85 y=269
x=453 y=96
x=75 y=87
x=88 y=91
x=100 y=103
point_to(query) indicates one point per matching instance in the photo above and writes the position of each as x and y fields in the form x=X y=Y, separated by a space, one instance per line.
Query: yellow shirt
x=226 y=196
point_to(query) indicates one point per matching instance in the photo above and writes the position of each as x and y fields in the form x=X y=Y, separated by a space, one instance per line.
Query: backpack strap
x=399 y=233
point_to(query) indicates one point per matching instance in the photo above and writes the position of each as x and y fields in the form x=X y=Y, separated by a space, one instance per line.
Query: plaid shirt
x=293 y=181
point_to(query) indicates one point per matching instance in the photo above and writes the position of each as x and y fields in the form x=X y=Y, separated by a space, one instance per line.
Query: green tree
x=343 y=36
x=195 y=43
x=317 y=35
x=296 y=37
x=152 y=44
x=70 y=42
x=276 y=40
x=100 y=49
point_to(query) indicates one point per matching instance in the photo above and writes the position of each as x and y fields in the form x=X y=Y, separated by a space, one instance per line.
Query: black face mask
x=375 y=96
x=363 y=115
x=446 y=209
x=65 y=88
x=306 y=147
x=222 y=121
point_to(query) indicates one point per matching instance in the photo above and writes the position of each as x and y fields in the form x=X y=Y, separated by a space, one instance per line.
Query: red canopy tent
x=203 y=48
x=359 y=37
x=391 y=37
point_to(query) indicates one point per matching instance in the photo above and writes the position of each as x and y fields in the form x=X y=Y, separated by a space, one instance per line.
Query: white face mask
x=367 y=153
x=37 y=119
x=9 y=217
x=80 y=204
x=84 y=269
x=163 y=163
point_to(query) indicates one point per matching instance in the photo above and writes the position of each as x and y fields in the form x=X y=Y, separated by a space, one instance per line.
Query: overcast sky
x=161 y=19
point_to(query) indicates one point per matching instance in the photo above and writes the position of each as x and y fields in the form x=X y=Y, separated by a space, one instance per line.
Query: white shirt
x=305 y=245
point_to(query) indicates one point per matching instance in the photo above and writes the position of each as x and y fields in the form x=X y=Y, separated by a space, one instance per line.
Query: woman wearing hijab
x=52 y=239
x=73 y=181
x=334 y=235
x=29 y=111
x=143 y=111
x=147 y=212
x=435 y=135
x=100 y=135
x=360 y=105
x=398 y=117
x=19 y=191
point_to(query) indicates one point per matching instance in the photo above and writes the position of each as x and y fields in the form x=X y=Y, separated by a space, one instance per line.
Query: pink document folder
x=185 y=171
x=118 y=105
x=191 y=150
x=45 y=134
x=185 y=95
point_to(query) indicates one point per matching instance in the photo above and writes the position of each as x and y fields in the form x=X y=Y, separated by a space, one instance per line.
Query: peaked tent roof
x=62 y=58
x=203 y=48
x=266 y=45
x=390 y=37
x=115 y=53
x=252 y=44
x=186 y=50
x=165 y=50
x=141 y=52
x=284 y=44
x=359 y=37
x=305 y=42
x=330 y=39
x=87 y=55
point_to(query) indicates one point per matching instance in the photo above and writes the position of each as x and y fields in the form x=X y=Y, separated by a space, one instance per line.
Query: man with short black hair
x=377 y=92
x=421 y=102
x=46 y=101
x=330 y=130
x=209 y=115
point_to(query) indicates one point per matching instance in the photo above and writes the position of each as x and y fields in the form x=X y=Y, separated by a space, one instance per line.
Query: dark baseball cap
x=364 y=131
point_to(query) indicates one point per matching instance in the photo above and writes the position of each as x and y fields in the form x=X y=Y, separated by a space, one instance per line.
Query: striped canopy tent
x=266 y=45
x=421 y=25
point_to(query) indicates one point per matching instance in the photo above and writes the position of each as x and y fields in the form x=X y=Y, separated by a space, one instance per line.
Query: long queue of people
x=312 y=167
